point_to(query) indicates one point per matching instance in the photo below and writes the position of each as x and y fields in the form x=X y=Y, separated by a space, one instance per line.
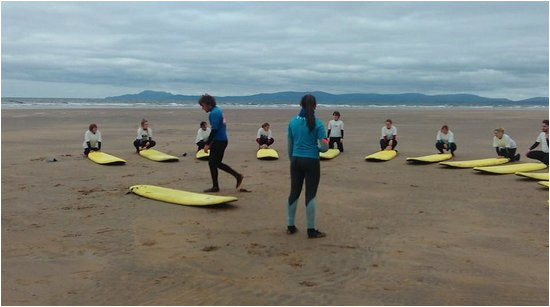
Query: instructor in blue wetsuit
x=216 y=143
x=306 y=137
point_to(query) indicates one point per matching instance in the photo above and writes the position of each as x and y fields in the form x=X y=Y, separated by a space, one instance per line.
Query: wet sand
x=397 y=233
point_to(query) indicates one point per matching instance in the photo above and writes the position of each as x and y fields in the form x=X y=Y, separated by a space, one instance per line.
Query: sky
x=99 y=49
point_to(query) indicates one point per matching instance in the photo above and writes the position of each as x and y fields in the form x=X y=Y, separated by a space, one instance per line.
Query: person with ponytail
x=216 y=143
x=306 y=138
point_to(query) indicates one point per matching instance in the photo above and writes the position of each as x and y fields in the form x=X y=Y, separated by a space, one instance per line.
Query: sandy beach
x=396 y=233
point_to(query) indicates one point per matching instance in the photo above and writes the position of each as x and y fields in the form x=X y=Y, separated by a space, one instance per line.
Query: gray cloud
x=97 y=49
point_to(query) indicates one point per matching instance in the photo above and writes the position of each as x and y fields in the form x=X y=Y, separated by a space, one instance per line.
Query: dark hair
x=92 y=126
x=445 y=127
x=336 y=113
x=207 y=100
x=545 y=122
x=203 y=124
x=309 y=104
x=389 y=121
x=265 y=125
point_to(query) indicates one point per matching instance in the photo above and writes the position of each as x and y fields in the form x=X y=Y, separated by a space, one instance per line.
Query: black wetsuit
x=451 y=147
x=538 y=154
x=384 y=142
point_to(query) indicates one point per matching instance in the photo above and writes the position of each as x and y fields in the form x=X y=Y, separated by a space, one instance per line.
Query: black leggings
x=384 y=143
x=509 y=153
x=301 y=169
x=88 y=149
x=200 y=145
x=538 y=155
x=308 y=169
x=263 y=140
x=338 y=141
x=140 y=143
x=217 y=150
x=451 y=147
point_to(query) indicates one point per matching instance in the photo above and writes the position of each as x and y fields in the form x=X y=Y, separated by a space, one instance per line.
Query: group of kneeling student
x=306 y=138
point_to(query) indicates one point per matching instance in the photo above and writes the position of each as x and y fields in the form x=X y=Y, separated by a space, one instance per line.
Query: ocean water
x=82 y=103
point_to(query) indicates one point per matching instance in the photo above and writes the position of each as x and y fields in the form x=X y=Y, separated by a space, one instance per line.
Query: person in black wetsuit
x=336 y=132
x=542 y=140
x=504 y=145
x=388 y=140
x=92 y=139
x=217 y=143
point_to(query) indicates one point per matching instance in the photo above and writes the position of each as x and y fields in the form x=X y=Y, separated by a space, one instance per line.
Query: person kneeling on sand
x=445 y=140
x=335 y=132
x=92 y=139
x=542 y=139
x=144 y=138
x=504 y=145
x=264 y=137
x=306 y=138
x=202 y=135
x=388 y=140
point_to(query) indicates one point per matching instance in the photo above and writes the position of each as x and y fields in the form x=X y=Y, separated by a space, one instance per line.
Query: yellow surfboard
x=201 y=155
x=512 y=168
x=100 y=157
x=476 y=163
x=431 y=158
x=179 y=197
x=383 y=155
x=267 y=154
x=536 y=176
x=544 y=183
x=329 y=154
x=158 y=156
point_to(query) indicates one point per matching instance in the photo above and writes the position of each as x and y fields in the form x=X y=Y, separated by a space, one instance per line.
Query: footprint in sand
x=148 y=242
x=308 y=283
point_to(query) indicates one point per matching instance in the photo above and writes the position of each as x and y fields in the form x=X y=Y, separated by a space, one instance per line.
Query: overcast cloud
x=85 y=49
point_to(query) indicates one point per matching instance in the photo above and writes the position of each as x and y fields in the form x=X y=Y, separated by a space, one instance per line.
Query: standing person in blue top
x=216 y=143
x=306 y=137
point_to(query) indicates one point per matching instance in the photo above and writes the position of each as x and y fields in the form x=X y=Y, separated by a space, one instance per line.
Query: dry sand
x=397 y=233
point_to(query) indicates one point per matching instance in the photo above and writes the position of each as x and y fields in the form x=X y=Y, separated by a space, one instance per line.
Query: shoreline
x=285 y=107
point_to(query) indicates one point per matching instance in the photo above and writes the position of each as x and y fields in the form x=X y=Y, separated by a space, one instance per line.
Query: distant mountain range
x=347 y=99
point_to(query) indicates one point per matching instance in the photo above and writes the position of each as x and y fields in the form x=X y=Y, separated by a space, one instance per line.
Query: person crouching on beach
x=144 y=138
x=445 y=140
x=202 y=135
x=336 y=132
x=306 y=138
x=504 y=145
x=388 y=140
x=216 y=143
x=92 y=139
x=542 y=139
x=264 y=138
